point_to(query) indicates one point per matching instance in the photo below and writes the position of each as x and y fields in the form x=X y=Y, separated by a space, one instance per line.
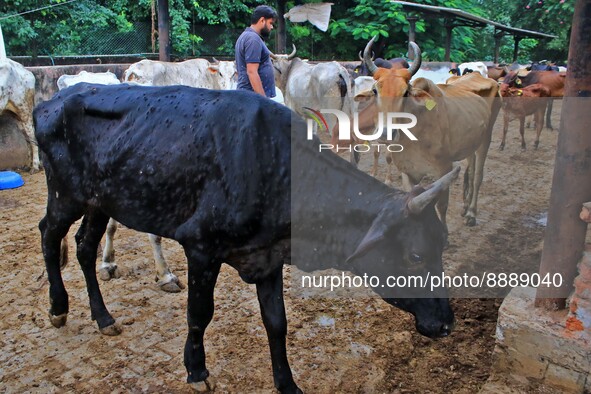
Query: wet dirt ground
x=335 y=345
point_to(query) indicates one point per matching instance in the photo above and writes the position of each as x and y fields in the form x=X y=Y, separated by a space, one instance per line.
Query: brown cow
x=454 y=123
x=518 y=103
x=496 y=72
x=553 y=80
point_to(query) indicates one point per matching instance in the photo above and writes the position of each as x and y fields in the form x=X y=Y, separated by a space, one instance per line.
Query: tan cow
x=454 y=123
x=17 y=96
x=518 y=103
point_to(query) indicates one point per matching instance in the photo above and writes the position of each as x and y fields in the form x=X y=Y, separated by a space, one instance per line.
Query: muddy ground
x=343 y=345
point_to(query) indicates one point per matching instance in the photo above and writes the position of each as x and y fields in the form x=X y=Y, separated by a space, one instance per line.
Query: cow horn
x=373 y=56
x=293 y=53
x=371 y=66
x=418 y=203
x=215 y=61
x=273 y=56
x=416 y=64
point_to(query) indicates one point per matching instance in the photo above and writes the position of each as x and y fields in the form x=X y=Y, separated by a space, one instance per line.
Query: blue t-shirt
x=250 y=48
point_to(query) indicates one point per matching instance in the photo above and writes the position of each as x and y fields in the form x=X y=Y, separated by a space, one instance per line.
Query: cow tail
x=64 y=253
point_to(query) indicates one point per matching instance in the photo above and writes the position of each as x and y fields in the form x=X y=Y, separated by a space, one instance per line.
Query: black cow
x=536 y=66
x=213 y=170
x=362 y=71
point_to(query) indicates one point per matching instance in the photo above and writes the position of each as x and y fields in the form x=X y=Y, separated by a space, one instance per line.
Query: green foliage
x=202 y=27
x=546 y=16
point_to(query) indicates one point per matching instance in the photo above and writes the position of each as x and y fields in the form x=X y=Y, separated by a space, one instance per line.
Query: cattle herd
x=176 y=152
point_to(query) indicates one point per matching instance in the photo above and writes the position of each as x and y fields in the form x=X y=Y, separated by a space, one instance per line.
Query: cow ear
x=364 y=96
x=213 y=69
x=385 y=220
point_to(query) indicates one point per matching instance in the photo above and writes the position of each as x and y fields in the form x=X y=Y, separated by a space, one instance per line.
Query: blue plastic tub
x=10 y=180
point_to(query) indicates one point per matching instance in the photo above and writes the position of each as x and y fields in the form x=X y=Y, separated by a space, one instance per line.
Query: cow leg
x=468 y=191
x=202 y=276
x=443 y=202
x=167 y=281
x=270 y=295
x=376 y=158
x=549 y=114
x=522 y=132
x=108 y=269
x=539 y=116
x=54 y=228
x=505 y=128
x=390 y=170
x=408 y=182
x=88 y=237
x=476 y=182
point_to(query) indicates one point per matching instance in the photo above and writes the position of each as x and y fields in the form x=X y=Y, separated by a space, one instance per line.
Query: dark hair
x=262 y=11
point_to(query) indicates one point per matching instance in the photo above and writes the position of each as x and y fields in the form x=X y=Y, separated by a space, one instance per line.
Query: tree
x=200 y=28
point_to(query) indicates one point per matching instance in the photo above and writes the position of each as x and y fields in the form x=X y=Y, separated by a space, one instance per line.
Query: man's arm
x=252 y=70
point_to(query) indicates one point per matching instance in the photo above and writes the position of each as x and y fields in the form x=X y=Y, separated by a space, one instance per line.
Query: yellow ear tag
x=430 y=104
x=366 y=142
x=520 y=92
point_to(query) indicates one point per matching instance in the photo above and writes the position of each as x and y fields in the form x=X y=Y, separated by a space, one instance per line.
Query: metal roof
x=469 y=19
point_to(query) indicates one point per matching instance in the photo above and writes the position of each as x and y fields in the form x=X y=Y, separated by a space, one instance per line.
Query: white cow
x=227 y=74
x=108 y=268
x=17 y=96
x=475 y=67
x=197 y=73
x=319 y=86
x=106 y=78
x=439 y=75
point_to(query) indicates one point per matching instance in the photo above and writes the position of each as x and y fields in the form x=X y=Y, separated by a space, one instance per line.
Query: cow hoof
x=172 y=287
x=205 y=386
x=502 y=147
x=112 y=330
x=59 y=320
x=470 y=221
x=536 y=144
x=108 y=273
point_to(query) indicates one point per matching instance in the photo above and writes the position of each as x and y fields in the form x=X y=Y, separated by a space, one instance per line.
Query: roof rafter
x=468 y=19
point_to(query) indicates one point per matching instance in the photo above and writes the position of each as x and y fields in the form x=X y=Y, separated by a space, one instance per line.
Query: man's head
x=262 y=20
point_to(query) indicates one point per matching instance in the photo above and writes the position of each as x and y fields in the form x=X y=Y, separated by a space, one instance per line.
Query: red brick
x=574 y=324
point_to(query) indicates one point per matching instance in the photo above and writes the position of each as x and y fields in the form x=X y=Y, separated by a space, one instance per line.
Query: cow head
x=396 y=63
x=226 y=73
x=140 y=73
x=281 y=66
x=513 y=80
x=407 y=239
x=455 y=71
x=390 y=83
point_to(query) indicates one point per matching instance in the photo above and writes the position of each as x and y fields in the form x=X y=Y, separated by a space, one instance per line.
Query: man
x=255 y=70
